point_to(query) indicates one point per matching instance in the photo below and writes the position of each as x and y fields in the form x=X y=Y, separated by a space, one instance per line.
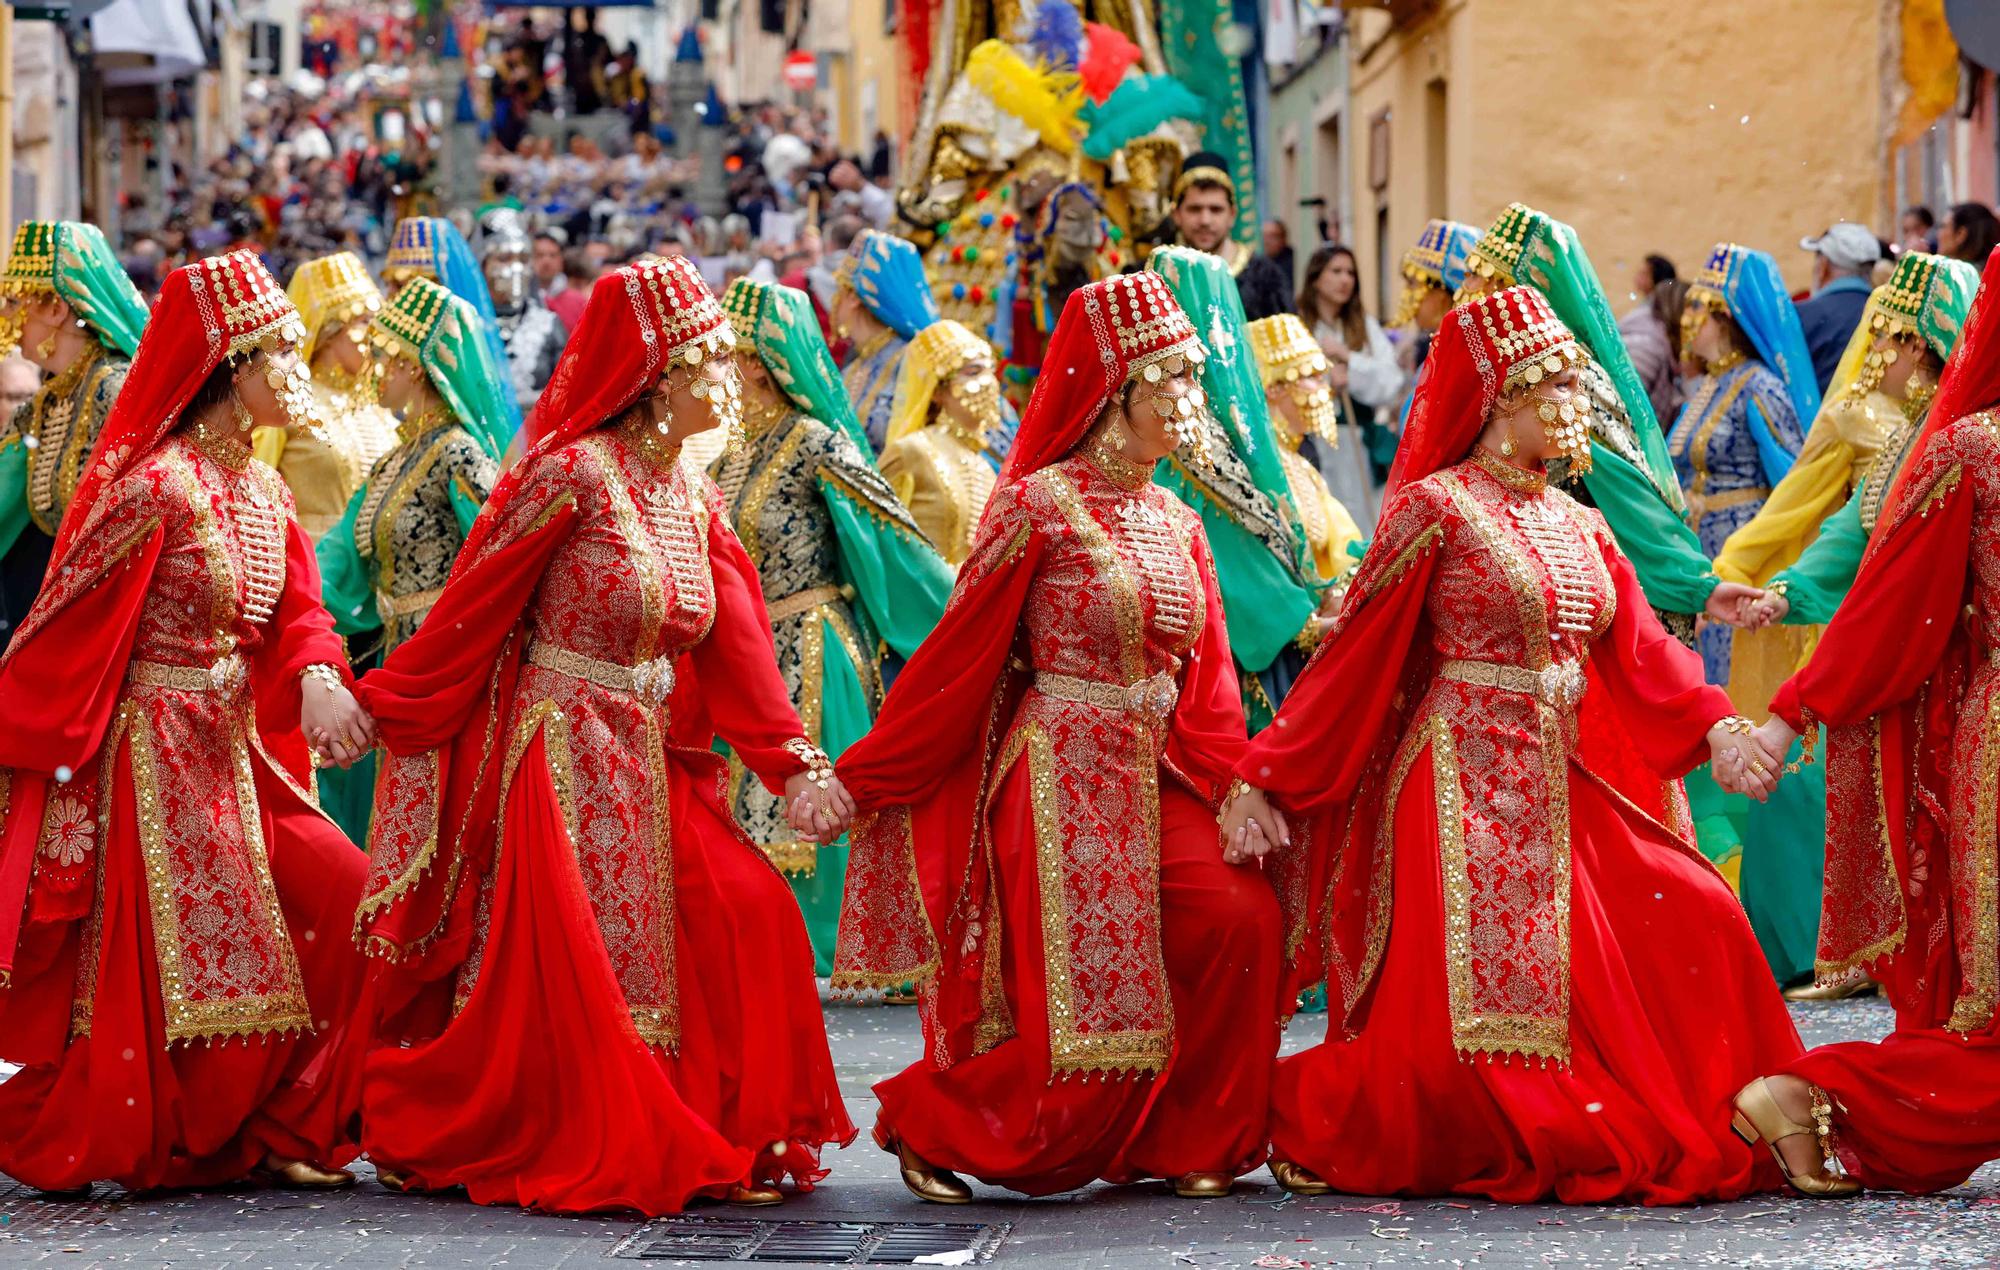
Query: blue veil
x=888 y=275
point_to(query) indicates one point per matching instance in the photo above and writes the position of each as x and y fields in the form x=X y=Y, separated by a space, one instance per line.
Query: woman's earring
x=47 y=348
x=1507 y=446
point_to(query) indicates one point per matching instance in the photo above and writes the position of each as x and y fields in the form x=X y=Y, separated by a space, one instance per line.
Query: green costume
x=1268 y=583
x=845 y=571
x=44 y=445
x=385 y=564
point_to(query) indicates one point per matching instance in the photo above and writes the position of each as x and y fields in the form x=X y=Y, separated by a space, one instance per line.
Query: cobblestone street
x=1133 y=1226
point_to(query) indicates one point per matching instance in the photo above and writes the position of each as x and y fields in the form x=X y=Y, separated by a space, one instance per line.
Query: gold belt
x=1155 y=695
x=650 y=681
x=225 y=675
x=1560 y=683
x=805 y=601
x=388 y=606
x=1702 y=504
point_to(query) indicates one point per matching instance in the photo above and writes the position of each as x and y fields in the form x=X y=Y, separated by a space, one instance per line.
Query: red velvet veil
x=1110 y=330
x=640 y=321
x=225 y=306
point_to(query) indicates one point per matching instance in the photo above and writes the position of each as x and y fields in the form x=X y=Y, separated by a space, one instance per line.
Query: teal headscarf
x=431 y=247
x=1534 y=249
x=1207 y=294
x=445 y=336
x=72 y=261
x=780 y=324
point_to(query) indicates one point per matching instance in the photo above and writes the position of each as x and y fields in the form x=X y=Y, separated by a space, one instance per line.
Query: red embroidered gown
x=184 y=993
x=604 y=989
x=1100 y=988
x=1538 y=987
x=1905 y=681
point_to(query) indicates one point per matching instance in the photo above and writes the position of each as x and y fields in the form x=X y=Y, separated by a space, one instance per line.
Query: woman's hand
x=1742 y=763
x=1768 y=607
x=1730 y=603
x=334 y=723
x=1776 y=736
x=1251 y=827
x=815 y=814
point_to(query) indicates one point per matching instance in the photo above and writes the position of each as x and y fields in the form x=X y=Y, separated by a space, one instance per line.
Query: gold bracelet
x=1808 y=742
x=325 y=674
x=1736 y=725
x=1237 y=788
x=819 y=768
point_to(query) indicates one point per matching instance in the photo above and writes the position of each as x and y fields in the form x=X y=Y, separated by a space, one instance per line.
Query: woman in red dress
x=1036 y=841
x=1906 y=682
x=173 y=906
x=597 y=990
x=1538 y=988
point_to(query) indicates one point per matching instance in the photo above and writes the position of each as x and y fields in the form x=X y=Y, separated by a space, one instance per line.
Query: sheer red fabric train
x=1905 y=682
x=1036 y=844
x=1537 y=987
x=602 y=990
x=173 y=905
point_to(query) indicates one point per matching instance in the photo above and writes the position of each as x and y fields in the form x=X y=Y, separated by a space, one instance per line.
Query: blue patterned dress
x=1733 y=440
x=870 y=381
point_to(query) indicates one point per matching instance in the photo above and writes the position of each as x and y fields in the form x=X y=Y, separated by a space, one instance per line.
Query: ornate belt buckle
x=1561 y=683
x=654 y=680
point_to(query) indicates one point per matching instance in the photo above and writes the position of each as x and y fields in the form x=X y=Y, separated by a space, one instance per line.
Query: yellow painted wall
x=874 y=60
x=1599 y=112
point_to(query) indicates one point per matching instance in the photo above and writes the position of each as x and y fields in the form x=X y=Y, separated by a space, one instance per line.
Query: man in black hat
x=1204 y=213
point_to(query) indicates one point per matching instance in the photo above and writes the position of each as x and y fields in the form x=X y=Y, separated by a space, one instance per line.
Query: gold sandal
x=1759 y=1119
x=921 y=1178
x=1295 y=1180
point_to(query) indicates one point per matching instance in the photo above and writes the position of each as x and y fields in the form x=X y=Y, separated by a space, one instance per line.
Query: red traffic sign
x=801 y=71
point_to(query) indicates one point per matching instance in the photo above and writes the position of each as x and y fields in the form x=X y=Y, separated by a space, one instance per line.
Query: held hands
x=1745 y=607
x=334 y=723
x=816 y=814
x=1251 y=827
x=1747 y=760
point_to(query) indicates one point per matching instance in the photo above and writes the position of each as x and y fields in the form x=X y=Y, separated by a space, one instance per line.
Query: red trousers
x=1000 y=1117
x=118 y=1105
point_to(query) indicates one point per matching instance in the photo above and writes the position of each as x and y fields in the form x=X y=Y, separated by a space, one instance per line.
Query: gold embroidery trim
x=1133 y=1050
x=1973 y=1011
x=806 y=601
x=1104 y=557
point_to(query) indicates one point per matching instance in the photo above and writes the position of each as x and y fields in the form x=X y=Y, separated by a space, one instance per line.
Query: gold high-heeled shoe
x=922 y=1179
x=300 y=1175
x=1859 y=986
x=1758 y=1118
x=753 y=1196
x=1294 y=1180
x=1203 y=1185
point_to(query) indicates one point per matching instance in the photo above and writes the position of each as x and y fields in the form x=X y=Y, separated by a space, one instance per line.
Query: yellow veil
x=933 y=356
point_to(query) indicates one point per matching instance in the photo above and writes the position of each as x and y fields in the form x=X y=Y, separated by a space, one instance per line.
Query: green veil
x=780 y=324
x=445 y=336
x=72 y=261
x=1207 y=294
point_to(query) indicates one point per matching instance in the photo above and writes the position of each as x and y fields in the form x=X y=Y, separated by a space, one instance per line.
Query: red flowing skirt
x=1672 y=1010
x=1917 y=1111
x=119 y=1105
x=540 y=1091
x=1002 y=1118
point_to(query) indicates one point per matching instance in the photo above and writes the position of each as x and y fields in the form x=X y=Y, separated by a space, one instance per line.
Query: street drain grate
x=824 y=1243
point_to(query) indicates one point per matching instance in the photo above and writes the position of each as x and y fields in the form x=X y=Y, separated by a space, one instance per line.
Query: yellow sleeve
x=1342 y=533
x=268 y=444
x=1813 y=490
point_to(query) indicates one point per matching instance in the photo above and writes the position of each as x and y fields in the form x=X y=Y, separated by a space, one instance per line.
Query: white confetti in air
x=1236 y=39
x=1744 y=119
x=1593 y=1107
x=30 y=443
x=62 y=775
